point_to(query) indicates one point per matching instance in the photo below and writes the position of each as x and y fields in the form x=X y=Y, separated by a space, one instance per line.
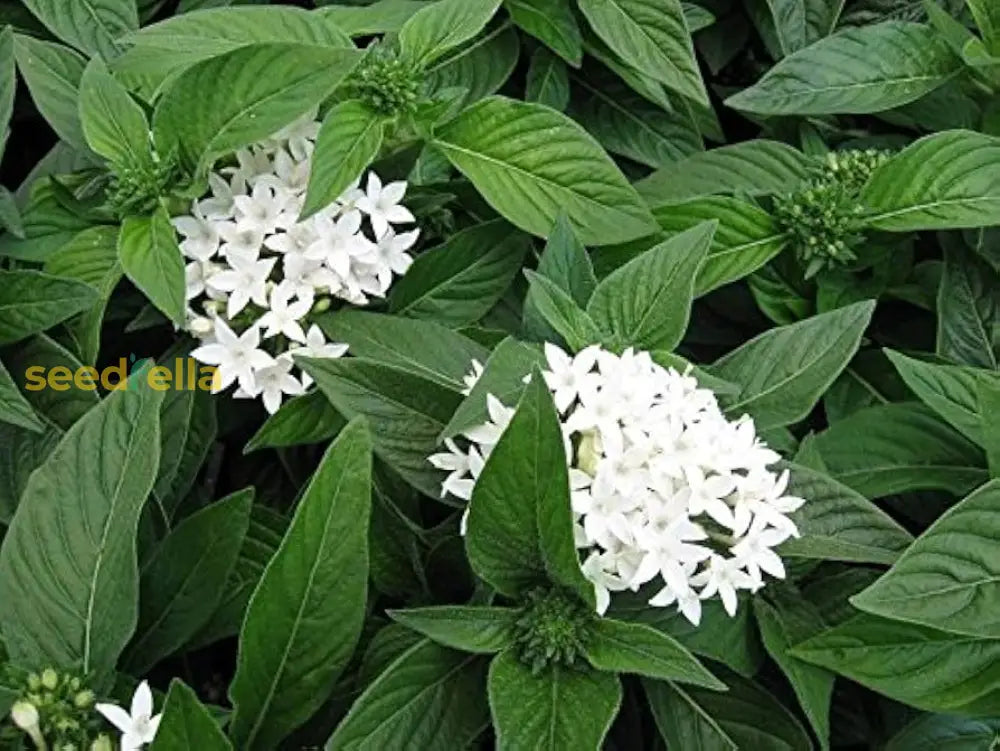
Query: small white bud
x=200 y=326
x=25 y=716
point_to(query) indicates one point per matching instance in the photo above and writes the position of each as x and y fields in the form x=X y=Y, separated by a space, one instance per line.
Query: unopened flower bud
x=321 y=305
x=34 y=682
x=103 y=743
x=50 y=678
x=84 y=699
x=200 y=326
x=25 y=716
x=212 y=307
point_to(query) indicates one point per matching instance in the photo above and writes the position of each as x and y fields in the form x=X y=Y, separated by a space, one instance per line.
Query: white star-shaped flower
x=201 y=235
x=284 y=315
x=381 y=204
x=237 y=358
x=137 y=726
x=245 y=280
x=275 y=381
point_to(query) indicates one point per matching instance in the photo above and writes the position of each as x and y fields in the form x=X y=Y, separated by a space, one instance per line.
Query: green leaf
x=430 y=698
x=503 y=376
x=306 y=614
x=162 y=50
x=987 y=16
x=48 y=224
x=52 y=73
x=941 y=181
x=945 y=733
x=406 y=413
x=561 y=314
x=189 y=428
x=457 y=283
x=988 y=402
x=893 y=657
x=10 y=214
x=92 y=26
x=32 y=362
x=31 y=302
x=8 y=79
x=745 y=239
x=520 y=528
x=548 y=80
x=950 y=390
x=799 y=23
x=221 y=104
x=784 y=371
x=856 y=71
x=730 y=640
x=91 y=256
x=620 y=647
x=187 y=724
x=14 y=408
x=379 y=17
x=784 y=621
x=647 y=302
x=479 y=68
x=968 y=306
x=628 y=124
x=480 y=630
x=529 y=162
x=948 y=579
x=565 y=263
x=68 y=572
x=113 y=123
x=652 y=37
x=894 y=448
x=744 y=717
x=184 y=580
x=758 y=167
x=552 y=22
x=309 y=418
x=559 y=709
x=21 y=452
x=348 y=141
x=152 y=260
x=836 y=523
x=442 y=26
x=267 y=529
x=421 y=347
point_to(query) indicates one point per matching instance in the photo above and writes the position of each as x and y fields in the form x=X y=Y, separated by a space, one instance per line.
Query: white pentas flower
x=664 y=488
x=264 y=274
x=138 y=726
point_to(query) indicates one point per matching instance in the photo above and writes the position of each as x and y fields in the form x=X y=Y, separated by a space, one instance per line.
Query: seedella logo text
x=128 y=373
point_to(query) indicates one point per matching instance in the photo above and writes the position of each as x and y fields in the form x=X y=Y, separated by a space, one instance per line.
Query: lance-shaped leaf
x=151 y=258
x=306 y=614
x=559 y=709
x=647 y=302
x=93 y=26
x=520 y=526
x=857 y=71
x=69 y=580
x=949 y=578
x=442 y=26
x=187 y=724
x=784 y=371
x=942 y=181
x=531 y=162
x=220 y=104
x=31 y=302
x=348 y=141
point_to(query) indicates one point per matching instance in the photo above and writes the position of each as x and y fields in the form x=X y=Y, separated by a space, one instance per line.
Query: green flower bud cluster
x=387 y=84
x=823 y=217
x=138 y=185
x=552 y=629
x=56 y=710
x=852 y=169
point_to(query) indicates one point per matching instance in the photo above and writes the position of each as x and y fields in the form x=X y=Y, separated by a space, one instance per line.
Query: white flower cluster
x=662 y=483
x=254 y=268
